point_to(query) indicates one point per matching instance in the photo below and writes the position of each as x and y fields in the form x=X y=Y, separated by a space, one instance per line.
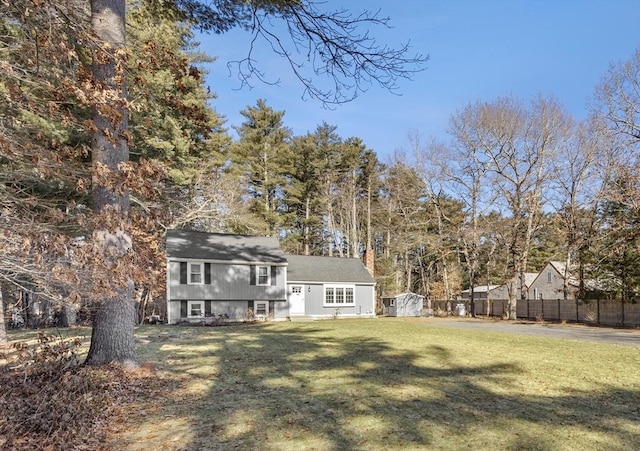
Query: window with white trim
x=196 y=273
x=263 y=275
x=195 y=309
x=339 y=295
x=262 y=308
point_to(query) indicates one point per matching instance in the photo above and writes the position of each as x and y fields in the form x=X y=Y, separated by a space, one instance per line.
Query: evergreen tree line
x=518 y=183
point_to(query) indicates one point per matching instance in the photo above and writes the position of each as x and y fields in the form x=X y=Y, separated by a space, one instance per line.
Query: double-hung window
x=263 y=275
x=196 y=273
x=339 y=295
x=195 y=309
x=262 y=308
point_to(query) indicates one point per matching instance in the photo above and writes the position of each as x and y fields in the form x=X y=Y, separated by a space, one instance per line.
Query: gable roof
x=561 y=269
x=223 y=246
x=481 y=288
x=529 y=277
x=305 y=268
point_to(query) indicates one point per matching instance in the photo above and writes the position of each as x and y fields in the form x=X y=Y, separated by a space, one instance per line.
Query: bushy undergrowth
x=48 y=400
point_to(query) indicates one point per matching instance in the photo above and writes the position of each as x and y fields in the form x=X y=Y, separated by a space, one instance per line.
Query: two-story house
x=215 y=274
x=235 y=276
x=550 y=282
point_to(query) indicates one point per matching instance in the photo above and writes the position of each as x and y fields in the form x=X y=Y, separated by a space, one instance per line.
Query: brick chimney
x=369 y=260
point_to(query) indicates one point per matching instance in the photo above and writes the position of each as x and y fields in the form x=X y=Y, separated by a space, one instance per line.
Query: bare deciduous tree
x=618 y=98
x=517 y=143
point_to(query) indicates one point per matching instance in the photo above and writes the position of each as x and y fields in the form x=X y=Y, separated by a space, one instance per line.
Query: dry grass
x=377 y=384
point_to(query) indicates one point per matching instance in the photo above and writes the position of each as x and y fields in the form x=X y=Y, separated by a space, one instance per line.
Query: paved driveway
x=630 y=337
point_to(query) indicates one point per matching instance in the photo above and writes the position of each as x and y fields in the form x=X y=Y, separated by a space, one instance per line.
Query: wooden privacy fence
x=591 y=311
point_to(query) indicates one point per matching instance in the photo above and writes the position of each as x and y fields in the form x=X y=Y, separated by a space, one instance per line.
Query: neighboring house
x=502 y=292
x=547 y=284
x=223 y=275
x=405 y=304
x=499 y=292
x=215 y=275
x=480 y=292
x=550 y=282
x=324 y=287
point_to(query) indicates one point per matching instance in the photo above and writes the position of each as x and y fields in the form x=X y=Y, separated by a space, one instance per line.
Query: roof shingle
x=305 y=268
x=223 y=246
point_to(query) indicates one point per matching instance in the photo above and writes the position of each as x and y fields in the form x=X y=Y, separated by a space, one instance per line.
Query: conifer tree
x=66 y=104
x=302 y=197
x=263 y=156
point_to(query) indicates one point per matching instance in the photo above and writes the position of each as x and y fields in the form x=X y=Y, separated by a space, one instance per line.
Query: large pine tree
x=263 y=157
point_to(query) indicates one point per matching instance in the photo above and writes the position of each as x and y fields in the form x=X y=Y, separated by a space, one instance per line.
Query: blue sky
x=478 y=49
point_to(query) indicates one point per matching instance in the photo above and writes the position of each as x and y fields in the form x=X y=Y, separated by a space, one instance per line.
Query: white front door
x=296 y=300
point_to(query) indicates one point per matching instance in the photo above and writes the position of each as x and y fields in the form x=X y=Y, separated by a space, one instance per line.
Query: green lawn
x=386 y=384
x=391 y=384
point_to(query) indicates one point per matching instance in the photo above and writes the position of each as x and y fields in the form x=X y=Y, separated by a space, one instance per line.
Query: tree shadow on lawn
x=301 y=388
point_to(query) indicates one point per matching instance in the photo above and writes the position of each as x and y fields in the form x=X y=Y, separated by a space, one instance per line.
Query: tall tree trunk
x=442 y=249
x=354 y=218
x=307 y=234
x=369 y=244
x=330 y=225
x=112 y=337
x=265 y=181
x=407 y=272
x=3 y=325
x=512 y=273
x=112 y=332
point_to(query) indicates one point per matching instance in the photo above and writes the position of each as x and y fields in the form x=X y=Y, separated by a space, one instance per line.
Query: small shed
x=405 y=304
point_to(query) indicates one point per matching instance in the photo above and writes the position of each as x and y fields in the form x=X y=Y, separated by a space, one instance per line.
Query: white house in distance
x=216 y=275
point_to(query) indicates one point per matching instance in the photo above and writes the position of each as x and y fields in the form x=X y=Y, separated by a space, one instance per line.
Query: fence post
x=542 y=308
x=577 y=310
x=598 y=311
x=528 y=314
x=559 y=316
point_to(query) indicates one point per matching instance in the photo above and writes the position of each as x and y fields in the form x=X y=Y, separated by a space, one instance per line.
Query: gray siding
x=234 y=310
x=228 y=282
x=314 y=296
x=545 y=289
x=280 y=310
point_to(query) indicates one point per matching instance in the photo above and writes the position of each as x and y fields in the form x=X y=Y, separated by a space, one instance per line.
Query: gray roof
x=529 y=278
x=481 y=288
x=402 y=295
x=304 y=268
x=223 y=246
